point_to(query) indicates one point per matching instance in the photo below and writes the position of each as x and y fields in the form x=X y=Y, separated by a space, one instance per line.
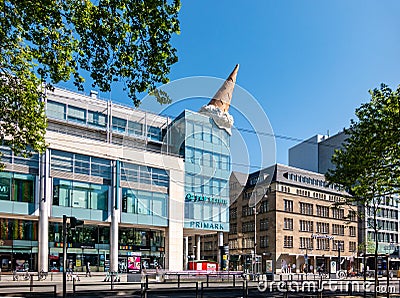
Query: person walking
x=88 y=270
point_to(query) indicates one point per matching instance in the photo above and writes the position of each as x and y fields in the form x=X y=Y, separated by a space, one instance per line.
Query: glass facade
x=144 y=202
x=80 y=194
x=17 y=187
x=207 y=170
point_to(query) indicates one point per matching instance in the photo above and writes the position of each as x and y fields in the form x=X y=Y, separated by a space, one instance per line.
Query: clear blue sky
x=308 y=63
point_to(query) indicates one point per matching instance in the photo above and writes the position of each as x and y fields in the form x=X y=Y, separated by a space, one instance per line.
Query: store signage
x=4 y=188
x=206 y=225
x=319 y=236
x=200 y=198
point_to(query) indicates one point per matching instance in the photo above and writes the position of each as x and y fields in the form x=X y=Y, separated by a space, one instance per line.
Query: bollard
x=201 y=290
x=234 y=280
x=73 y=287
x=51 y=275
x=112 y=285
x=147 y=282
x=207 y=280
x=179 y=281
x=31 y=283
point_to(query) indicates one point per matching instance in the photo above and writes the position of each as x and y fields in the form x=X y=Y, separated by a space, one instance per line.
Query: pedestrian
x=88 y=270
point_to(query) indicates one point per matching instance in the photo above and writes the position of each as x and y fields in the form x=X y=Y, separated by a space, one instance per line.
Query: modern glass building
x=127 y=174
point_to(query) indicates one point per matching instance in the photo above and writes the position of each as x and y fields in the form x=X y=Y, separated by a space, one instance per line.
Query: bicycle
x=42 y=275
x=21 y=275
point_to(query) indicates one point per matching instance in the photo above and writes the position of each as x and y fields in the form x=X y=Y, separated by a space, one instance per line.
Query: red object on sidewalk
x=203 y=265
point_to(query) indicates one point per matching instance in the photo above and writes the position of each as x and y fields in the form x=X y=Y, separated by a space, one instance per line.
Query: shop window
x=17 y=187
x=80 y=195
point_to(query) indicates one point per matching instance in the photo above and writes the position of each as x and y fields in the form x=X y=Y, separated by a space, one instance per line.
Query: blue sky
x=308 y=63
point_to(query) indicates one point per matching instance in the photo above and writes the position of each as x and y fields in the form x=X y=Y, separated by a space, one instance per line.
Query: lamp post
x=338 y=264
x=255 y=239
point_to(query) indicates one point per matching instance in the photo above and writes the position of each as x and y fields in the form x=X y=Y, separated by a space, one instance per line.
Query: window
x=337 y=213
x=264 y=225
x=248 y=226
x=233 y=228
x=288 y=241
x=352 y=246
x=288 y=205
x=263 y=241
x=76 y=114
x=80 y=195
x=135 y=128
x=154 y=133
x=55 y=110
x=18 y=229
x=306 y=208
x=264 y=207
x=322 y=227
x=17 y=187
x=322 y=244
x=338 y=229
x=97 y=119
x=233 y=213
x=336 y=243
x=144 y=202
x=306 y=242
x=322 y=211
x=306 y=226
x=352 y=215
x=352 y=231
x=118 y=125
x=288 y=224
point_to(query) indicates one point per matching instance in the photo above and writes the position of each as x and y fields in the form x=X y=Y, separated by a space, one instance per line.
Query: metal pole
x=255 y=236
x=387 y=276
x=64 y=233
x=338 y=264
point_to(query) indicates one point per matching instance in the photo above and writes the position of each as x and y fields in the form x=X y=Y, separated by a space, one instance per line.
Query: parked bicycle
x=21 y=275
x=43 y=275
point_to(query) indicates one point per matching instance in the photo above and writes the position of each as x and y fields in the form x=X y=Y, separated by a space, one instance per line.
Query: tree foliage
x=45 y=42
x=368 y=164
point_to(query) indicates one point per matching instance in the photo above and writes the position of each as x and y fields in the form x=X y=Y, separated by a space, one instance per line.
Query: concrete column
x=44 y=211
x=186 y=252
x=198 y=247
x=115 y=212
x=176 y=211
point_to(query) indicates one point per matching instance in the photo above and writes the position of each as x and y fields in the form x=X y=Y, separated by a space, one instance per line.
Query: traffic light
x=73 y=222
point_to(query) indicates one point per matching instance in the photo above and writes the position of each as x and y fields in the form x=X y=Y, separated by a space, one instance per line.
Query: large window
x=17 y=229
x=80 y=164
x=144 y=202
x=80 y=194
x=144 y=174
x=17 y=187
x=306 y=208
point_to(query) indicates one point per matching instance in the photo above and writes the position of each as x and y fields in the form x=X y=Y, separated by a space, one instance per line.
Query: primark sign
x=201 y=198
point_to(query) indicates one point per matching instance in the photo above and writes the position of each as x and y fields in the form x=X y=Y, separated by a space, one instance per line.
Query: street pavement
x=95 y=286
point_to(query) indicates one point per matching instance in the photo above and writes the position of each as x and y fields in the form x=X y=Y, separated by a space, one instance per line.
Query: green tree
x=45 y=42
x=367 y=165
